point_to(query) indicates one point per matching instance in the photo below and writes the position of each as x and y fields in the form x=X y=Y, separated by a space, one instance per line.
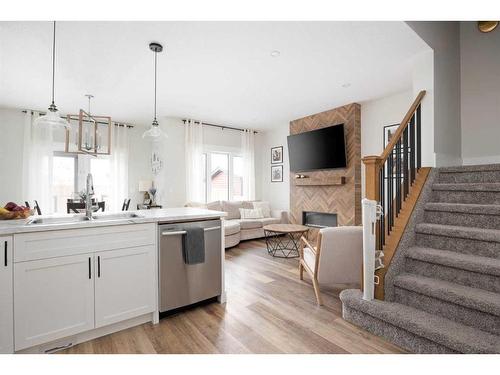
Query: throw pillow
x=264 y=206
x=255 y=213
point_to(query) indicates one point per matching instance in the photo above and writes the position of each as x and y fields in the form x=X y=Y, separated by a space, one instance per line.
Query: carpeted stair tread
x=473 y=298
x=477 y=209
x=479 y=234
x=465 y=186
x=460 y=261
x=453 y=335
x=471 y=168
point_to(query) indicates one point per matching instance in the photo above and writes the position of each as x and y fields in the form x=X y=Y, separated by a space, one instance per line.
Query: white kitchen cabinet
x=124 y=284
x=54 y=298
x=6 y=297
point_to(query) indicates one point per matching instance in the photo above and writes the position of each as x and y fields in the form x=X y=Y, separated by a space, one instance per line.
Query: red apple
x=10 y=206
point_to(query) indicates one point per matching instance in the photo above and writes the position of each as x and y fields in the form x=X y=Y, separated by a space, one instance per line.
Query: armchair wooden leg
x=317 y=291
x=301 y=271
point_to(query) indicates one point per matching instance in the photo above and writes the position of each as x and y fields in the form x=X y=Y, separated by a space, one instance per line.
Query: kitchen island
x=66 y=280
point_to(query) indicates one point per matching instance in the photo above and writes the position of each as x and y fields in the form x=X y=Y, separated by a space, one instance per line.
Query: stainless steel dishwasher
x=183 y=284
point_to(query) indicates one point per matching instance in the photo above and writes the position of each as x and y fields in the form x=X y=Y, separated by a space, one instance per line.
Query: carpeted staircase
x=443 y=286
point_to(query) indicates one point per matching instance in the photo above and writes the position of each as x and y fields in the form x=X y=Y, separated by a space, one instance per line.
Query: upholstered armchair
x=337 y=258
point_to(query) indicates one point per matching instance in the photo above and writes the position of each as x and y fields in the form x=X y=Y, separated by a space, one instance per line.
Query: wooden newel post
x=372 y=183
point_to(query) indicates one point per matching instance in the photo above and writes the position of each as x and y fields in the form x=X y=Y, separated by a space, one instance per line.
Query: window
x=101 y=173
x=223 y=176
x=64 y=177
x=70 y=173
x=219 y=177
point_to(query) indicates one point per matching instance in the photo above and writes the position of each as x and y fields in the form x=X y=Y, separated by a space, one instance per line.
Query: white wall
x=277 y=193
x=444 y=39
x=480 y=94
x=11 y=156
x=375 y=114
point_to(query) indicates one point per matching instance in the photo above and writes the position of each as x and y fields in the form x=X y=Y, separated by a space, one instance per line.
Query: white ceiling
x=219 y=72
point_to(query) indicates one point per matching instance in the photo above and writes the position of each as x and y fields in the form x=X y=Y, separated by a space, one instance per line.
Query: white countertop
x=167 y=215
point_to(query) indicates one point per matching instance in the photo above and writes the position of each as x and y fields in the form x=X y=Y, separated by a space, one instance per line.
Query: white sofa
x=238 y=229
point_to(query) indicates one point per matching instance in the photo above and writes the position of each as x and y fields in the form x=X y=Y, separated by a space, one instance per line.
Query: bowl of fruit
x=12 y=211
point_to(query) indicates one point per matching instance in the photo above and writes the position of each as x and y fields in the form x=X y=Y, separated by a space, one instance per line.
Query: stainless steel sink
x=81 y=218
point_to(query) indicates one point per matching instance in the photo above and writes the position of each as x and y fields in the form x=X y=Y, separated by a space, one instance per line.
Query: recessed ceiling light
x=346 y=85
x=275 y=53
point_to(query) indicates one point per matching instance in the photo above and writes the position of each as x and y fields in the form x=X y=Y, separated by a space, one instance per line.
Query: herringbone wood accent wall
x=344 y=200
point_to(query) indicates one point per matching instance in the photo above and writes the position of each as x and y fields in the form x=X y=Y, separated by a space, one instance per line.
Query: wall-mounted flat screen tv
x=317 y=149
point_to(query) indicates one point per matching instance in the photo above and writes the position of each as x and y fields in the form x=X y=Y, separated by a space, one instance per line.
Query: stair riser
x=459 y=276
x=469 y=177
x=462 y=219
x=394 y=334
x=471 y=317
x=461 y=245
x=472 y=197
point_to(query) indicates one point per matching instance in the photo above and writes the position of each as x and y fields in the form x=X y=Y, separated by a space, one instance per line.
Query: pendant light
x=155 y=131
x=52 y=118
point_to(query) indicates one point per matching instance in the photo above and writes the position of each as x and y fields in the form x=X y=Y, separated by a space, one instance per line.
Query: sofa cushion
x=251 y=213
x=264 y=206
x=231 y=227
x=270 y=220
x=250 y=223
x=215 y=205
x=232 y=209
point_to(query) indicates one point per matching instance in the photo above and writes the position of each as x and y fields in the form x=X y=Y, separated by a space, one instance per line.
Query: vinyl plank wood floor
x=268 y=310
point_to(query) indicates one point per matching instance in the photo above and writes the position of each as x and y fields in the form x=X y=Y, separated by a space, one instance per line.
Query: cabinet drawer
x=50 y=244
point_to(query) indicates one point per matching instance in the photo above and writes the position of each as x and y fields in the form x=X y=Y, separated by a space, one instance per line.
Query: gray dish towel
x=193 y=245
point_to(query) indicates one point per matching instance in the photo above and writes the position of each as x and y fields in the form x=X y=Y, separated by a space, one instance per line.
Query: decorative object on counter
x=152 y=193
x=277 y=155
x=12 y=211
x=52 y=118
x=144 y=186
x=155 y=131
x=88 y=134
x=277 y=173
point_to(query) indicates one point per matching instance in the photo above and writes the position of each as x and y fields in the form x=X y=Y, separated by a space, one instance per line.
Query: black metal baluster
x=412 y=149
x=390 y=189
x=406 y=186
x=398 y=177
x=383 y=200
x=419 y=137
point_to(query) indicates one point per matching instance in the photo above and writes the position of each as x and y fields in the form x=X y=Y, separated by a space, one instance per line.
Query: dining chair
x=126 y=204
x=337 y=258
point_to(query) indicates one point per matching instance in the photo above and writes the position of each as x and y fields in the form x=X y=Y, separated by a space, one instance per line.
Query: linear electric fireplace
x=319 y=219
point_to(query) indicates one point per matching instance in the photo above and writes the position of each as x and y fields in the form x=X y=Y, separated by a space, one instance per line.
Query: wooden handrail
x=399 y=131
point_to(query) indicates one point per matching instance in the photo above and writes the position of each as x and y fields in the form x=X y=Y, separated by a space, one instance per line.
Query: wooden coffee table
x=283 y=240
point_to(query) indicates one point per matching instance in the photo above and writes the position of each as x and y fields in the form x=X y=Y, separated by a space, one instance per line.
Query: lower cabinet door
x=53 y=298
x=6 y=299
x=125 y=284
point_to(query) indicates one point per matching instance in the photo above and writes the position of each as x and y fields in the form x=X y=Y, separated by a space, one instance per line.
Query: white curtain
x=38 y=151
x=248 y=147
x=194 y=162
x=119 y=167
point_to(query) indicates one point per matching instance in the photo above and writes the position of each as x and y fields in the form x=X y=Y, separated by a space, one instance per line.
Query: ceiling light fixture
x=155 y=131
x=275 y=53
x=346 y=85
x=52 y=118
x=487 y=26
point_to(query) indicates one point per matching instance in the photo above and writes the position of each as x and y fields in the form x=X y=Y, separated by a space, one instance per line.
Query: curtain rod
x=218 y=126
x=75 y=119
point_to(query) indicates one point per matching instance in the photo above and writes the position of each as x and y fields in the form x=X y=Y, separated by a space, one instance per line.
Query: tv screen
x=317 y=149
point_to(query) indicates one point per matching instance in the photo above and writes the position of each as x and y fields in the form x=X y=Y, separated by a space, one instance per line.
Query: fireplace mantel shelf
x=330 y=181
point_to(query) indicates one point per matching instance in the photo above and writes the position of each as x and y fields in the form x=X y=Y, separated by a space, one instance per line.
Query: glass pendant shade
x=52 y=118
x=154 y=131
